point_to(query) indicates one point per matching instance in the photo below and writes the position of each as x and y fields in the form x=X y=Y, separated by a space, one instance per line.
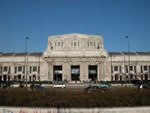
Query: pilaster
x=66 y=71
x=83 y=71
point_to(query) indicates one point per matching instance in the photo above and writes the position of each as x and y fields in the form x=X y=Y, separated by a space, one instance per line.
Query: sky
x=36 y=19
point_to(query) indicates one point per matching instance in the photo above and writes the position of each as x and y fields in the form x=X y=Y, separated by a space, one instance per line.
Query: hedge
x=118 y=97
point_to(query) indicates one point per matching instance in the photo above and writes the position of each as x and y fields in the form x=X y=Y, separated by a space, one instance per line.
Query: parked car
x=104 y=85
x=144 y=86
x=59 y=86
x=92 y=88
x=17 y=85
x=38 y=88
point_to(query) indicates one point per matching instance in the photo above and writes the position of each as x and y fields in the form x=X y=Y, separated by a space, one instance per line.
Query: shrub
x=66 y=98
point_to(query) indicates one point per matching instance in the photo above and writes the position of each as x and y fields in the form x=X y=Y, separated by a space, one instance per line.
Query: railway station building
x=75 y=58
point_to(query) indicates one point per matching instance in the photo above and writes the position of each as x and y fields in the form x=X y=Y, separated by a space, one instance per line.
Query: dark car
x=91 y=88
x=144 y=86
x=38 y=88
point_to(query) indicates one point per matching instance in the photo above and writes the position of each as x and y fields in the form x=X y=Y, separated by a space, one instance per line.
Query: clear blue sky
x=114 y=19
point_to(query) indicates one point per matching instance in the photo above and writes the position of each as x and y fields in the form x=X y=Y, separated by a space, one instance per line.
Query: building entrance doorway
x=4 y=77
x=146 y=77
x=92 y=69
x=57 y=73
x=19 y=77
x=75 y=73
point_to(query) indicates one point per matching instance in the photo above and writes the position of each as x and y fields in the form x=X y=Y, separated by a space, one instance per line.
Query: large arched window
x=75 y=44
x=91 y=44
x=59 y=44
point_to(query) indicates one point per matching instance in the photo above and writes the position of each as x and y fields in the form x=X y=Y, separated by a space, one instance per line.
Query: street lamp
x=25 y=68
x=128 y=55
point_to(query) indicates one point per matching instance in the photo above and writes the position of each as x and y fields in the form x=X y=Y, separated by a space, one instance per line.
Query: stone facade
x=129 y=66
x=75 y=58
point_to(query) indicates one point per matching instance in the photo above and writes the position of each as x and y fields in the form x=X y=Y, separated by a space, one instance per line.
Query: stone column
x=84 y=71
x=50 y=71
x=104 y=71
x=44 y=71
x=107 y=69
x=66 y=71
x=101 y=71
x=69 y=72
x=12 y=72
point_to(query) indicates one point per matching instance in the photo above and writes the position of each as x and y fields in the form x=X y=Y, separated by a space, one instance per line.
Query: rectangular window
x=5 y=69
x=116 y=77
x=23 y=69
x=9 y=69
x=39 y=78
x=120 y=78
x=29 y=78
x=135 y=69
x=55 y=44
x=131 y=76
x=58 y=44
x=34 y=77
x=120 y=69
x=8 y=78
x=34 y=68
x=19 y=68
x=62 y=44
x=141 y=77
x=15 y=77
x=131 y=68
x=15 y=69
x=146 y=77
x=111 y=69
x=115 y=68
x=145 y=68
x=141 y=69
x=111 y=78
x=19 y=77
x=71 y=44
x=149 y=68
x=126 y=69
x=38 y=69
x=30 y=69
x=0 y=69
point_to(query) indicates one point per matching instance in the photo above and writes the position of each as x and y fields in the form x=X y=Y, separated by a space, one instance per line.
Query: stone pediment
x=75 y=44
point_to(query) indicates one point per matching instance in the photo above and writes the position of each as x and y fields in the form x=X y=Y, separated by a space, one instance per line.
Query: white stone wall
x=75 y=45
x=135 y=60
x=75 y=110
x=15 y=61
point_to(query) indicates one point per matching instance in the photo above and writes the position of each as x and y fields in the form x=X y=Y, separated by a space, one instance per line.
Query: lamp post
x=128 y=56
x=25 y=68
